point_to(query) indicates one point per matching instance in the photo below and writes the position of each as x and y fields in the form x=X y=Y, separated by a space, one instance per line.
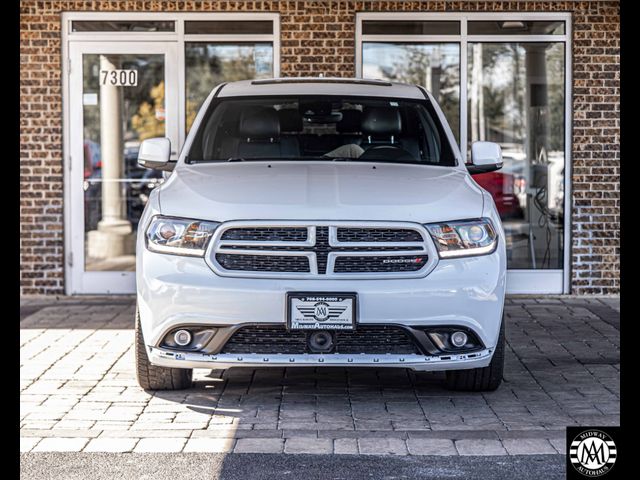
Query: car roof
x=320 y=86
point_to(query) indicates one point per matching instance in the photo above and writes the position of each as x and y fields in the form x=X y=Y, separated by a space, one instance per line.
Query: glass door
x=120 y=95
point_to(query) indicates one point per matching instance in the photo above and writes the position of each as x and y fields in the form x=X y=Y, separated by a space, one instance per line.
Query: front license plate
x=321 y=311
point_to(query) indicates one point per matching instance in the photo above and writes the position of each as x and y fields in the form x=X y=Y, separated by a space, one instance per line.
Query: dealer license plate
x=321 y=311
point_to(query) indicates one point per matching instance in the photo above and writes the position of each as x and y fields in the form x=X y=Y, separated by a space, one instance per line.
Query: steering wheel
x=386 y=152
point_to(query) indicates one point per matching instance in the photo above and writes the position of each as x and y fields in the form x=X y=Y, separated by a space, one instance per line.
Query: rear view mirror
x=485 y=157
x=156 y=153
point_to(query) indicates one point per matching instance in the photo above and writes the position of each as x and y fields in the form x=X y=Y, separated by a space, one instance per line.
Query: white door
x=120 y=93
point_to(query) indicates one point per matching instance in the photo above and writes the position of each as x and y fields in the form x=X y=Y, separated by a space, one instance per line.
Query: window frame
x=520 y=280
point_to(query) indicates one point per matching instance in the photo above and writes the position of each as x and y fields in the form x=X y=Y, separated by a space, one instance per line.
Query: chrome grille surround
x=226 y=245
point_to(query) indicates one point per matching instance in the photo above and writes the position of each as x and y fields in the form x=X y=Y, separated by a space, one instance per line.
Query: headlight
x=179 y=236
x=464 y=238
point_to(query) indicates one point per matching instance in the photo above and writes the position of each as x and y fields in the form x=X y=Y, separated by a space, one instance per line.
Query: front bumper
x=167 y=358
x=177 y=291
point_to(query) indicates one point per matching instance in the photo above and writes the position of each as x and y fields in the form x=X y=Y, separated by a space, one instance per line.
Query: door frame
x=124 y=282
x=519 y=281
x=79 y=280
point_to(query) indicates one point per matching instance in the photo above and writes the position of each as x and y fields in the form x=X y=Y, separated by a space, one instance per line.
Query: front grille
x=367 y=339
x=378 y=264
x=321 y=250
x=264 y=263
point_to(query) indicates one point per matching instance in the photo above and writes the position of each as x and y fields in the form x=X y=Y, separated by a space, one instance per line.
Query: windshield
x=321 y=128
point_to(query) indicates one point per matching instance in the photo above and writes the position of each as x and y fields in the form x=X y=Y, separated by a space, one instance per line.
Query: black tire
x=480 y=379
x=153 y=377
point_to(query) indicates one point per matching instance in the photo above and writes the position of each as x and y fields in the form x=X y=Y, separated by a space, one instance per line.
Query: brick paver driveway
x=78 y=391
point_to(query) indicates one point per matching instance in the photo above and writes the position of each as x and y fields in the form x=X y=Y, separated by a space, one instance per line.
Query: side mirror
x=485 y=157
x=156 y=153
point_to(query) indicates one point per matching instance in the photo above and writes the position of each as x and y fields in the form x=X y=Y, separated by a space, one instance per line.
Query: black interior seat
x=383 y=138
x=259 y=135
x=380 y=126
x=290 y=128
x=382 y=129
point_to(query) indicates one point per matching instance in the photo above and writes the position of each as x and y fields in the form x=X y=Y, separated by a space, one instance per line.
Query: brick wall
x=319 y=37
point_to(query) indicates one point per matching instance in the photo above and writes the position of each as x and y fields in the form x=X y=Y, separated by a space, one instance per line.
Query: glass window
x=123 y=100
x=251 y=27
x=374 y=129
x=436 y=66
x=516 y=97
x=515 y=27
x=399 y=27
x=122 y=26
x=209 y=64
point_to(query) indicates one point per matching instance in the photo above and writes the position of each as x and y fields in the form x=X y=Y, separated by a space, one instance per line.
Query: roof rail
x=359 y=81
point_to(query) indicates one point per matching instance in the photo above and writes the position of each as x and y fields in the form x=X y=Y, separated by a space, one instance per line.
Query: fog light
x=182 y=338
x=459 y=339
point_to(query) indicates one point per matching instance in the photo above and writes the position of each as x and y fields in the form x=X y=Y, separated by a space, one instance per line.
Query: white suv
x=320 y=222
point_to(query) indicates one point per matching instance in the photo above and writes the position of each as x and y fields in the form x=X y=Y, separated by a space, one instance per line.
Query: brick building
x=539 y=77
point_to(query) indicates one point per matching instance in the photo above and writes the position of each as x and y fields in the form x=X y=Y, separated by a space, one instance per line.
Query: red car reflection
x=501 y=187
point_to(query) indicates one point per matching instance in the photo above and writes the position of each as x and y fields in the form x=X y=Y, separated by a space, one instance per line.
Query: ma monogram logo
x=592 y=453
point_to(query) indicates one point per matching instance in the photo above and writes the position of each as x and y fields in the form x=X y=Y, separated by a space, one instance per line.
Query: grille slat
x=367 y=339
x=378 y=264
x=352 y=234
x=266 y=234
x=264 y=263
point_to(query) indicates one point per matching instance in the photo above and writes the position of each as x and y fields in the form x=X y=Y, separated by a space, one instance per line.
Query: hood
x=320 y=191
